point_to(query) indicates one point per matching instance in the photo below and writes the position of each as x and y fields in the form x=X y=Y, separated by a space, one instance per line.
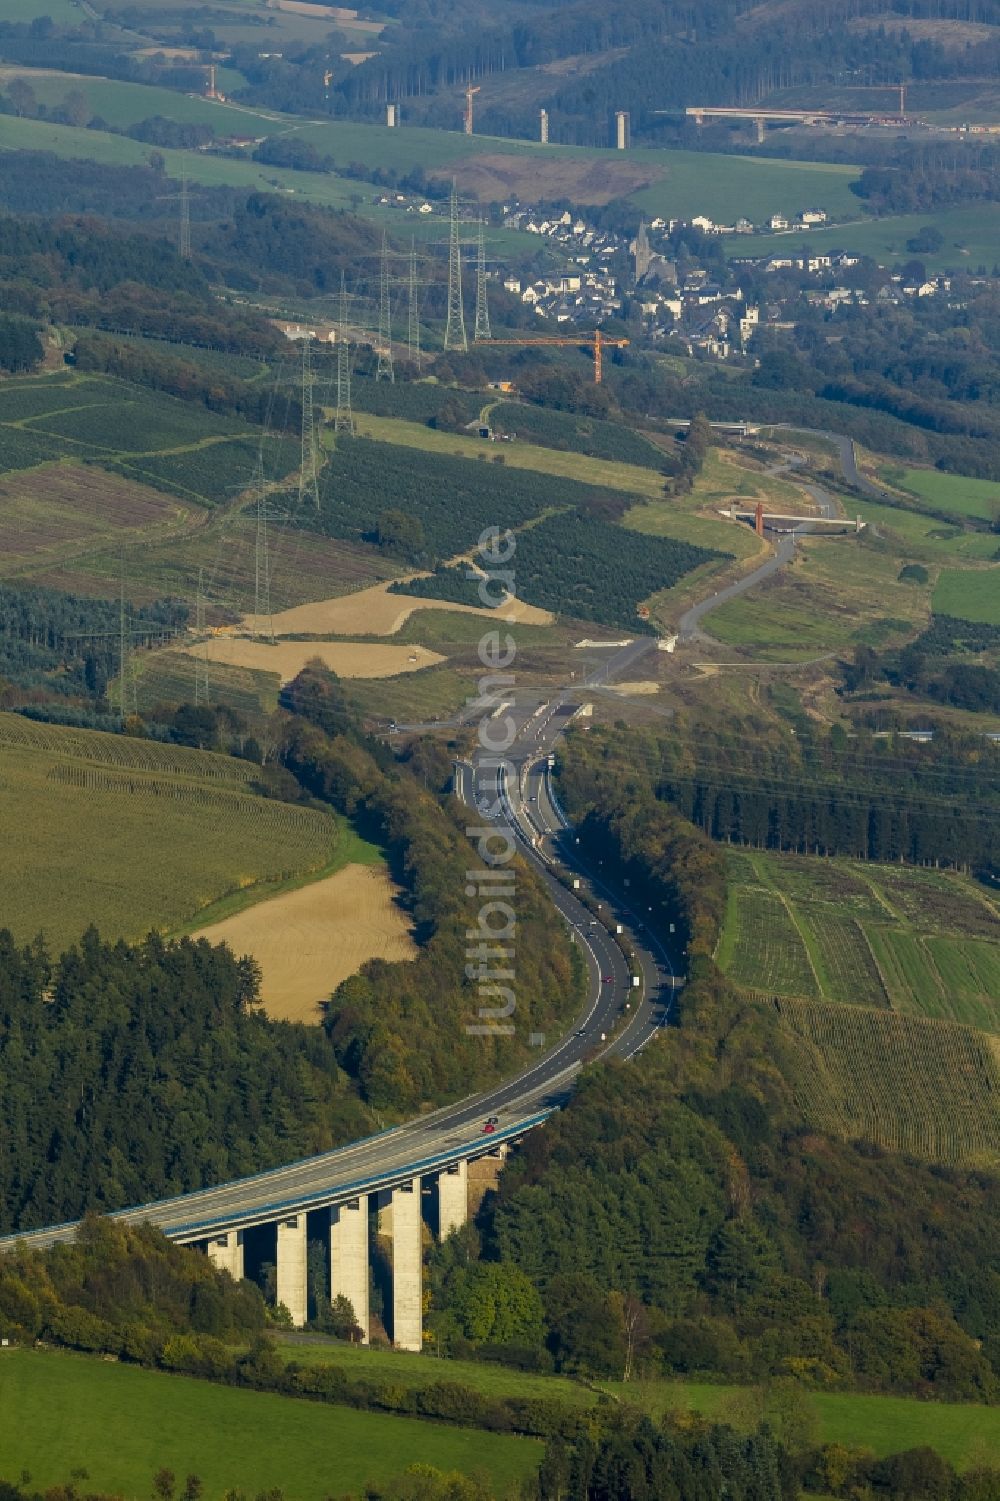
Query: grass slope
x=918 y=536
x=925 y=1088
x=970 y=236
x=606 y=474
x=950 y=492
x=963 y=1433
x=680 y=183
x=121 y=1425
x=132 y=835
x=836 y=591
x=695 y=517
x=969 y=595
x=917 y=941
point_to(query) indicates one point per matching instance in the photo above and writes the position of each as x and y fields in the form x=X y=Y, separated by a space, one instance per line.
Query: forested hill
x=643 y=56
x=134 y=1073
x=821 y=794
x=678 y=1217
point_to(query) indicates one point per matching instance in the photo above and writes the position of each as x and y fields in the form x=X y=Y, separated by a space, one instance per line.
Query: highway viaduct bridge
x=426 y=1170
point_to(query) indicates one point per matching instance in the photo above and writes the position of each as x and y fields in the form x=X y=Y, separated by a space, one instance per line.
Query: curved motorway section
x=619 y=1018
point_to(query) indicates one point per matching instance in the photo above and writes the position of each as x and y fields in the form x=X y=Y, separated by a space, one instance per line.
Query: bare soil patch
x=349 y=659
x=640 y=687
x=307 y=941
x=496 y=176
x=376 y=612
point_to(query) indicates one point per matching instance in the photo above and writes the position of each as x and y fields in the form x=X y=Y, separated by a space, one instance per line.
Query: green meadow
x=119 y=1425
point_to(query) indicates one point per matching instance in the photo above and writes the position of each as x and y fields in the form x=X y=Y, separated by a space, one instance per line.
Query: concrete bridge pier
x=291 y=1267
x=349 y=1257
x=407 y=1267
x=225 y=1252
x=453 y=1198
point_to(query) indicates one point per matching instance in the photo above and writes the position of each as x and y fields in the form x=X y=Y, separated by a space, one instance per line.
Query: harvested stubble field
x=348 y=659
x=918 y=941
x=132 y=835
x=435 y=694
x=51 y=514
x=307 y=941
x=376 y=612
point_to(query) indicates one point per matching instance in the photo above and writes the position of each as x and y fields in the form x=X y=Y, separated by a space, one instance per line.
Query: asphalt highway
x=617 y=944
x=520 y=799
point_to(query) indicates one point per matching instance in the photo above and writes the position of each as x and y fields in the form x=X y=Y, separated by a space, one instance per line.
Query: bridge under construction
x=761 y=116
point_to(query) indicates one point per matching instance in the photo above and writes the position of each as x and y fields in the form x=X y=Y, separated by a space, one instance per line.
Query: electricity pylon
x=184 y=229
x=126 y=675
x=343 y=422
x=454 y=332
x=261 y=562
x=308 y=478
x=482 y=311
x=201 y=694
x=384 y=369
x=413 y=311
x=184 y=237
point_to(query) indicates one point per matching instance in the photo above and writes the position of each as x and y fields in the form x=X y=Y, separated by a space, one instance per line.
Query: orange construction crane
x=469 y=91
x=597 y=341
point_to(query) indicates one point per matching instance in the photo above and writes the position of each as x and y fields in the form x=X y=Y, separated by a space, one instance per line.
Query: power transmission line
x=413 y=311
x=126 y=676
x=201 y=694
x=384 y=369
x=482 y=330
x=343 y=421
x=308 y=479
x=454 y=333
x=184 y=236
x=262 y=563
x=184 y=200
